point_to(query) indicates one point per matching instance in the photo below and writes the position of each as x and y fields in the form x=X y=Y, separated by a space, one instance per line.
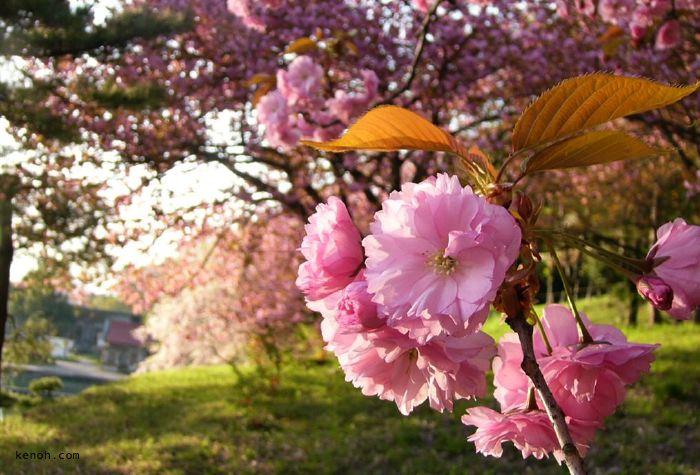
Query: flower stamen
x=442 y=264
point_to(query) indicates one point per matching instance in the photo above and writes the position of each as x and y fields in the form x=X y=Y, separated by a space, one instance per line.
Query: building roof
x=120 y=333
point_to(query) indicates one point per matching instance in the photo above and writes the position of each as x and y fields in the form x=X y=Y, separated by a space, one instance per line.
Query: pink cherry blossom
x=301 y=81
x=273 y=113
x=641 y=21
x=680 y=243
x=656 y=291
x=422 y=5
x=436 y=255
x=669 y=35
x=272 y=109
x=355 y=308
x=586 y=7
x=614 y=10
x=511 y=383
x=531 y=432
x=392 y=366
x=348 y=105
x=241 y=8
x=660 y=7
x=587 y=381
x=386 y=363
x=332 y=250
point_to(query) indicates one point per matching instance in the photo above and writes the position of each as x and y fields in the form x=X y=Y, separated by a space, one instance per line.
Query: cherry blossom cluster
x=642 y=18
x=224 y=290
x=588 y=382
x=403 y=309
x=296 y=109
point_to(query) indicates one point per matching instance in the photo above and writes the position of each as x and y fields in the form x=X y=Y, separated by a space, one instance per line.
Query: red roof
x=120 y=333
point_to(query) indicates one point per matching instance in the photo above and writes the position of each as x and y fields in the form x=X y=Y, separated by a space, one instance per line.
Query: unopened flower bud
x=522 y=205
x=499 y=193
x=656 y=291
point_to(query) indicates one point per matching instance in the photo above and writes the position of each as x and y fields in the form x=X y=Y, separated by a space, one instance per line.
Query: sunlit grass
x=204 y=420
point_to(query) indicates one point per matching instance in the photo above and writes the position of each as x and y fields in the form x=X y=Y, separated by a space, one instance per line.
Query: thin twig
x=572 y=458
x=418 y=52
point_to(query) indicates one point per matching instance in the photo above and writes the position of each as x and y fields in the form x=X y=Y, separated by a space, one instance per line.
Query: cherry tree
x=241 y=87
x=53 y=199
x=225 y=293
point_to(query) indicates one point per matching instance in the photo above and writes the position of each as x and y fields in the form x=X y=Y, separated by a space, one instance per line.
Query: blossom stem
x=542 y=332
x=507 y=162
x=585 y=336
x=572 y=458
x=613 y=259
x=609 y=262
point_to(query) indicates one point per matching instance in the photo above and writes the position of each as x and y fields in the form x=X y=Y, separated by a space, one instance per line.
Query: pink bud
x=656 y=291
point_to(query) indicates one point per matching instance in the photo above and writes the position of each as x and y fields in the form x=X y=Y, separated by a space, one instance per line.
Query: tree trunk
x=696 y=318
x=633 y=310
x=655 y=315
x=8 y=184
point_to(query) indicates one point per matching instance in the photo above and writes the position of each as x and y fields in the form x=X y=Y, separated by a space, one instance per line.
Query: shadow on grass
x=205 y=421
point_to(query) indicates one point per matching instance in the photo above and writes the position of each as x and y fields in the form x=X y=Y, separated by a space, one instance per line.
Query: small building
x=90 y=326
x=120 y=348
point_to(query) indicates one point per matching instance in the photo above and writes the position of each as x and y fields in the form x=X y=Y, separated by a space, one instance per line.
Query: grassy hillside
x=204 y=420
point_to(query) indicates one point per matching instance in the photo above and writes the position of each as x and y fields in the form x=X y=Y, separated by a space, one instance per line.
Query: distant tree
x=29 y=342
x=36 y=297
x=48 y=202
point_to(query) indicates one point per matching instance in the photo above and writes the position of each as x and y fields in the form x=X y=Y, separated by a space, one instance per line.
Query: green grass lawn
x=204 y=420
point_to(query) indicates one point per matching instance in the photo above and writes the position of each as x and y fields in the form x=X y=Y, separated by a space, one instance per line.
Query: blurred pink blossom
x=422 y=5
x=669 y=35
x=586 y=7
x=301 y=81
x=273 y=113
x=272 y=110
x=641 y=21
x=613 y=10
x=241 y=8
x=348 y=105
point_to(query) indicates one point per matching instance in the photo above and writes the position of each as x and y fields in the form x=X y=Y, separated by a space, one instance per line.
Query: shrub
x=46 y=386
